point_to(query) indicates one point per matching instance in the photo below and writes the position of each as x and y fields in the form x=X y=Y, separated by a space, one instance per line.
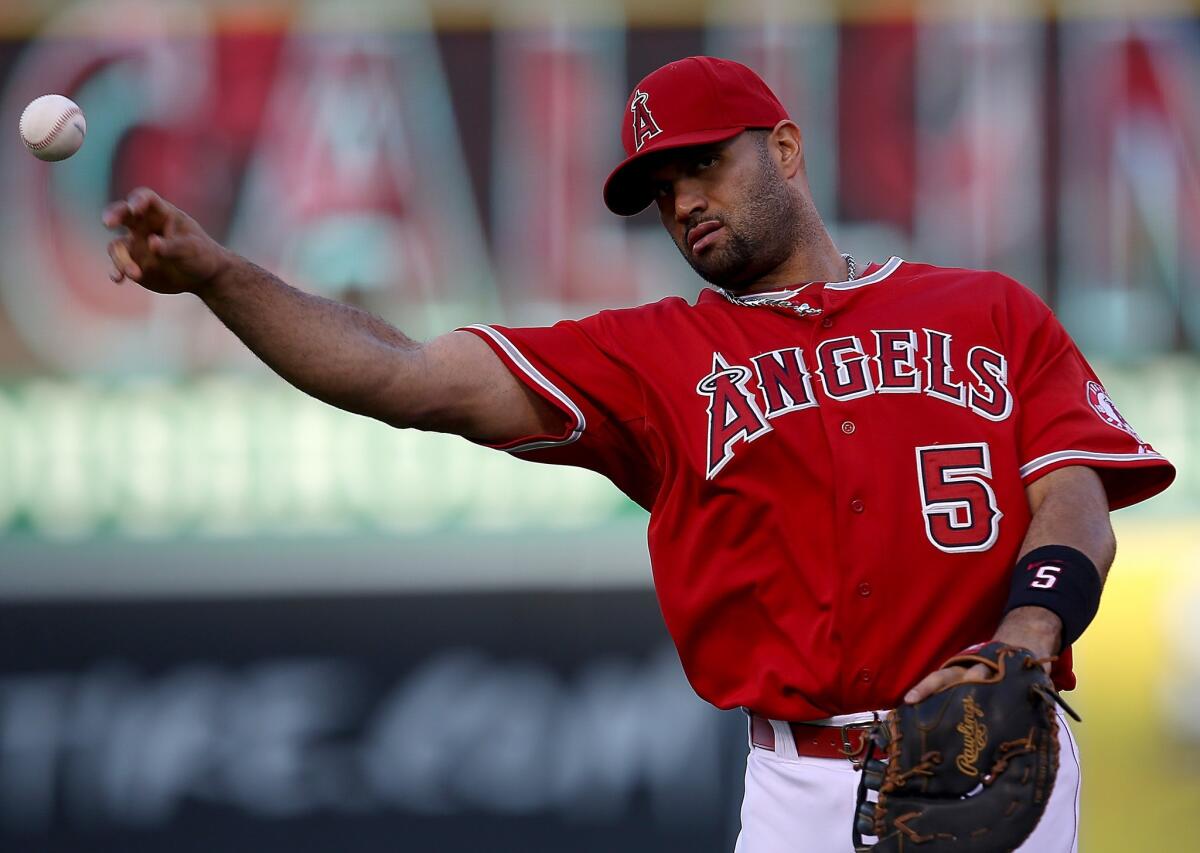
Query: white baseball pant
x=797 y=804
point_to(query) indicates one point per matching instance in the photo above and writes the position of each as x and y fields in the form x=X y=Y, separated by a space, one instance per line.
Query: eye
x=662 y=189
x=708 y=161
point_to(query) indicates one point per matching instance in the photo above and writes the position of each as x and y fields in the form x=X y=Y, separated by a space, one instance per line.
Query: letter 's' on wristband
x=1061 y=579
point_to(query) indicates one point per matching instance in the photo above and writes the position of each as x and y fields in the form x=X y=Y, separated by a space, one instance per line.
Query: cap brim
x=627 y=191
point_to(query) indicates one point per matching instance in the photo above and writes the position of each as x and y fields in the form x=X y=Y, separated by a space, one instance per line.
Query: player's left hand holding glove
x=970 y=767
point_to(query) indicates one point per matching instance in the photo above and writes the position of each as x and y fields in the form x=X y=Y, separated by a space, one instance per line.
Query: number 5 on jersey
x=957 y=500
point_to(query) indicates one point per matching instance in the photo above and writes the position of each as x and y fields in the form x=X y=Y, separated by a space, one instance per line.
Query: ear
x=788 y=148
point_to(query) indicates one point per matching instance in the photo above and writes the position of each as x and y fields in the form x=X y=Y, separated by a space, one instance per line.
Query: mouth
x=701 y=236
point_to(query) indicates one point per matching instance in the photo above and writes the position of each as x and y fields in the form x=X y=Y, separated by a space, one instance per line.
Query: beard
x=760 y=233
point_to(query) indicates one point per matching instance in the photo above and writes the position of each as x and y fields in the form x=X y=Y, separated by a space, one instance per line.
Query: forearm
x=337 y=353
x=1068 y=507
x=1075 y=515
x=1073 y=511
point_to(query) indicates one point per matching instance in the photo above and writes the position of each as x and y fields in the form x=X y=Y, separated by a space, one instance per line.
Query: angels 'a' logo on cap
x=644 y=125
x=1103 y=406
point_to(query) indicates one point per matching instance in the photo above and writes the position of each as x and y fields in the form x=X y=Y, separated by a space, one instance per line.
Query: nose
x=689 y=200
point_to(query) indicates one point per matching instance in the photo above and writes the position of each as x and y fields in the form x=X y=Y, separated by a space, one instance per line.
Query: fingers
x=929 y=685
x=936 y=681
x=123 y=263
x=143 y=209
x=144 y=213
x=146 y=202
x=116 y=214
x=171 y=248
x=162 y=249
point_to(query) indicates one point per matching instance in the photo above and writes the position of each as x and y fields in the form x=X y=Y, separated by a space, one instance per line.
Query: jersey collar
x=868 y=278
x=878 y=275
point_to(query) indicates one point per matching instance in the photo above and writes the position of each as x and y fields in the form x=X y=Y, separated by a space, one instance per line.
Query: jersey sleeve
x=1067 y=418
x=575 y=366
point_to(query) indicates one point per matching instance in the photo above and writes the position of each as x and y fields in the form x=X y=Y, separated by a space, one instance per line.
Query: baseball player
x=853 y=470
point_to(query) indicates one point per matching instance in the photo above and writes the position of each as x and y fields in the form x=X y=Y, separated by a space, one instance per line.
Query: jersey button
x=848 y=427
x=864 y=589
x=857 y=505
x=827 y=323
x=864 y=674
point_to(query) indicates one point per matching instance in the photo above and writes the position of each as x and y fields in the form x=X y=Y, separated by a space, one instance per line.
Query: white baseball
x=53 y=127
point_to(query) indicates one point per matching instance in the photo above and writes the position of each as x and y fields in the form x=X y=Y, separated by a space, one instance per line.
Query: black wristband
x=1062 y=580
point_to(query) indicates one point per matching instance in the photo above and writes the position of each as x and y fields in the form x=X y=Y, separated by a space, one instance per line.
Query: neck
x=815 y=258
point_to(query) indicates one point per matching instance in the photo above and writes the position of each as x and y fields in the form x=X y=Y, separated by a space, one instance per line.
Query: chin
x=727 y=276
x=712 y=267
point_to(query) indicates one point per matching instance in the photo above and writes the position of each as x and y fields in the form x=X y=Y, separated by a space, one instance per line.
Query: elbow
x=1098 y=540
x=392 y=406
x=1105 y=538
x=397 y=396
x=1107 y=547
x=407 y=398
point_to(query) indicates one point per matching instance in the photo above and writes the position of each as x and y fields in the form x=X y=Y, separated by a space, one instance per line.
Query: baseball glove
x=969 y=768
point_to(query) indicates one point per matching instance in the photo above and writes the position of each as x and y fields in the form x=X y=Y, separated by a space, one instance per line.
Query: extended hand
x=164 y=249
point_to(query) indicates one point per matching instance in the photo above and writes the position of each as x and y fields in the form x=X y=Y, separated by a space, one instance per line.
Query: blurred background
x=232 y=618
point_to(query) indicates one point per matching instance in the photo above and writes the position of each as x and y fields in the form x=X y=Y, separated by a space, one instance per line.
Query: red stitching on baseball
x=54 y=131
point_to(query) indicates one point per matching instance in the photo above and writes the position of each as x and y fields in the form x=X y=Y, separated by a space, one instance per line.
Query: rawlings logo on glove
x=969 y=768
x=974 y=737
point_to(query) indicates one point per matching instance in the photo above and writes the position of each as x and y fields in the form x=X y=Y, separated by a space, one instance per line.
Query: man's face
x=728 y=209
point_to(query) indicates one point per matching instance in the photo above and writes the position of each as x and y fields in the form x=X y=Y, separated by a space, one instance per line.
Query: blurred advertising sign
x=559 y=93
x=794 y=48
x=1130 y=186
x=450 y=723
x=357 y=187
x=326 y=150
x=230 y=457
x=980 y=148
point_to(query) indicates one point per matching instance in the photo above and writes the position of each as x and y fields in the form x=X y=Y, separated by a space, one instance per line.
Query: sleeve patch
x=1106 y=410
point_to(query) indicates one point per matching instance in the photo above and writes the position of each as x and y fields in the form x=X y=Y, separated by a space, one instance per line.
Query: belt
x=816 y=741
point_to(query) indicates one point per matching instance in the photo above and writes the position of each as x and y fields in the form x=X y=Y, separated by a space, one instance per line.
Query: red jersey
x=836 y=475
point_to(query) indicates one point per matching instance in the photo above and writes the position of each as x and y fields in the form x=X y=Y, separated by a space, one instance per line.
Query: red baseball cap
x=694 y=101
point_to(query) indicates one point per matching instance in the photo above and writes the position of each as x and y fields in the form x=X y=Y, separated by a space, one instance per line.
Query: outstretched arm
x=337 y=353
x=1070 y=508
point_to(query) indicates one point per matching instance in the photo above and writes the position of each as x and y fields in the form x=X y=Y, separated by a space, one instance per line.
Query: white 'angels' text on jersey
x=744 y=399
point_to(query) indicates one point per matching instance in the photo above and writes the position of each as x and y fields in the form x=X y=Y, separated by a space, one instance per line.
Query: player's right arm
x=334 y=352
